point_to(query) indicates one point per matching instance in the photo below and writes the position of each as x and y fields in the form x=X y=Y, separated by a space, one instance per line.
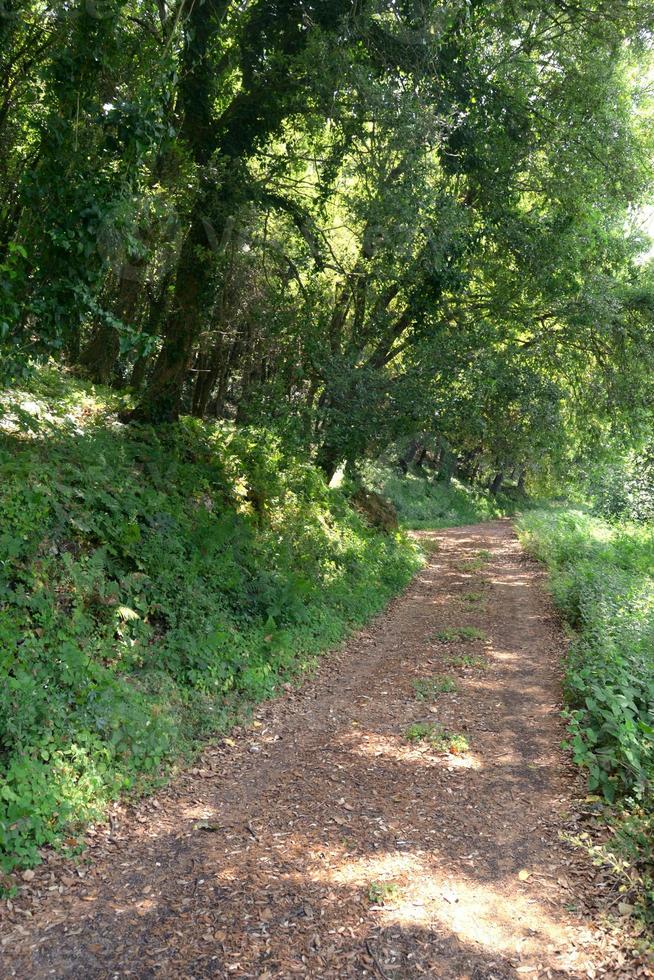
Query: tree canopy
x=362 y=221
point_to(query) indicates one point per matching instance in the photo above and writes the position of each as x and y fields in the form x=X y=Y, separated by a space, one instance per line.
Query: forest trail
x=320 y=842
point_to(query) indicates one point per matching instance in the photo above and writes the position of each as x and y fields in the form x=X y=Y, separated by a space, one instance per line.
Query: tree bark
x=496 y=484
x=162 y=399
x=328 y=459
x=100 y=354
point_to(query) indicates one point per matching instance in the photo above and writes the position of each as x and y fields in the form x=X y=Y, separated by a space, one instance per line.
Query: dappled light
x=332 y=833
x=326 y=489
x=430 y=898
x=375 y=745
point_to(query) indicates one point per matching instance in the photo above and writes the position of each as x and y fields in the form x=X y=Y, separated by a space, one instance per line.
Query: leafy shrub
x=624 y=490
x=149 y=582
x=603 y=581
x=423 y=502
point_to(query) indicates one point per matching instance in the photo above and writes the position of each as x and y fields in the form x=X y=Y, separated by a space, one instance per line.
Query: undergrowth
x=151 y=581
x=423 y=502
x=602 y=579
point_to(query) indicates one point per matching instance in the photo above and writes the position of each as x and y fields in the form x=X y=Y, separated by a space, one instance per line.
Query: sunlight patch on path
x=429 y=897
x=375 y=745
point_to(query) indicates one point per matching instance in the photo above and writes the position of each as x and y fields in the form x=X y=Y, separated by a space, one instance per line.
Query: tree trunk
x=446 y=463
x=496 y=485
x=100 y=354
x=162 y=399
x=328 y=459
x=408 y=456
x=209 y=364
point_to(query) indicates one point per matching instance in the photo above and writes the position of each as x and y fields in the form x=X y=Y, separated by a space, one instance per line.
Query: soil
x=319 y=841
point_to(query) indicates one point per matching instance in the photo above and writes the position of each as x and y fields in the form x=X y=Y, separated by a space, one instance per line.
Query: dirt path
x=321 y=843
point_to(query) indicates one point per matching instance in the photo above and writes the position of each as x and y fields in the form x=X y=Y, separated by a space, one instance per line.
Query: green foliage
x=428 y=688
x=13 y=357
x=467 y=661
x=623 y=489
x=473 y=597
x=246 y=211
x=631 y=853
x=603 y=581
x=150 y=581
x=423 y=502
x=380 y=892
x=437 y=737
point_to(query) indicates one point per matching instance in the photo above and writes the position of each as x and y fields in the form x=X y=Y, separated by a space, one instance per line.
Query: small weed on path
x=473 y=597
x=467 y=660
x=438 y=737
x=476 y=564
x=428 y=688
x=381 y=892
x=460 y=634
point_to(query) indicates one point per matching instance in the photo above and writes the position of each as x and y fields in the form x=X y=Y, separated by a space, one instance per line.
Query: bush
x=149 y=582
x=603 y=581
x=424 y=502
x=624 y=490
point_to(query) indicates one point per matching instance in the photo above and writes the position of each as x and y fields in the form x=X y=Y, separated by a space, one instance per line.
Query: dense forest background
x=259 y=258
x=359 y=221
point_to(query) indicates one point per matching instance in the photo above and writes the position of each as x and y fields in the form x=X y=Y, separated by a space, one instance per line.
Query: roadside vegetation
x=425 y=502
x=248 y=247
x=151 y=583
x=602 y=580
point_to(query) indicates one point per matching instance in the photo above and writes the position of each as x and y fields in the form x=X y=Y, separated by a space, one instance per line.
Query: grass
x=437 y=737
x=467 y=661
x=423 y=502
x=381 y=892
x=473 y=597
x=151 y=584
x=460 y=634
x=602 y=579
x=471 y=565
x=428 y=688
